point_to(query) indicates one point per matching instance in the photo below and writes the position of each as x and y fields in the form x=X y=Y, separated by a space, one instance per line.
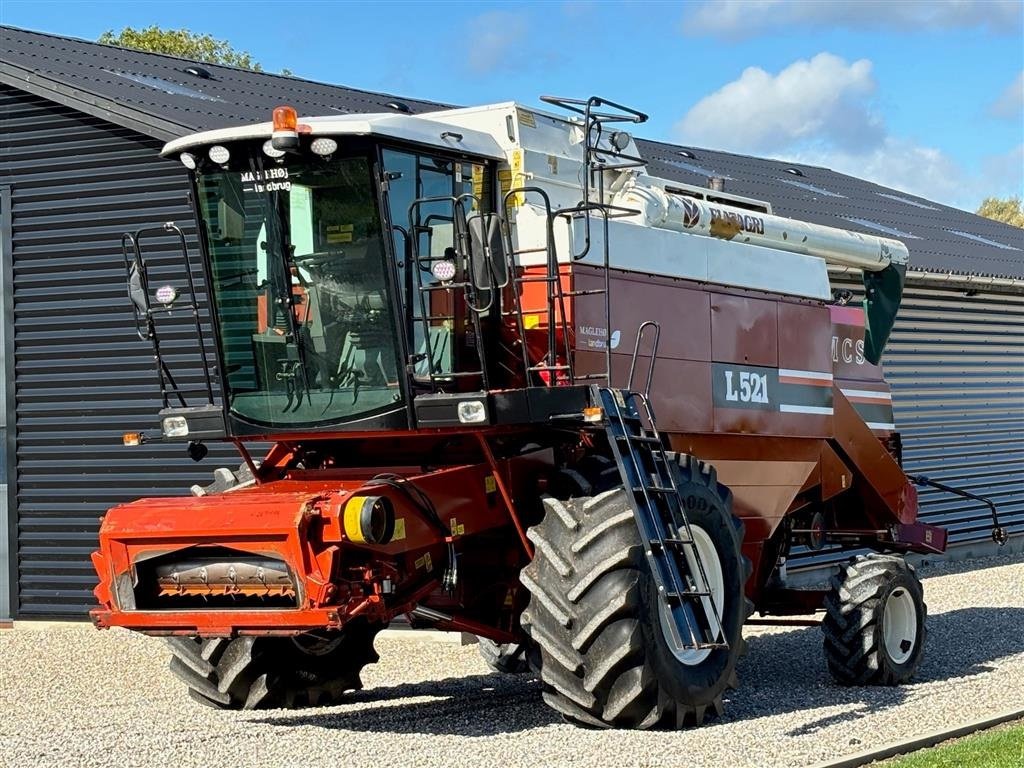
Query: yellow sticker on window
x=340 y=233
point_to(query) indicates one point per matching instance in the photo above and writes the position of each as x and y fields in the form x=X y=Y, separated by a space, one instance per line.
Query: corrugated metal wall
x=82 y=376
x=956 y=365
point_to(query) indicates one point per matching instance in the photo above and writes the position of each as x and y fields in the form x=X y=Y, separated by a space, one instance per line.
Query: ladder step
x=653 y=489
x=660 y=545
x=678 y=597
x=443 y=287
x=536 y=279
x=643 y=439
x=535 y=368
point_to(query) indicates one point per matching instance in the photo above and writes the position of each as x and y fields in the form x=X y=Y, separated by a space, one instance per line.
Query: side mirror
x=488 y=249
x=137 y=289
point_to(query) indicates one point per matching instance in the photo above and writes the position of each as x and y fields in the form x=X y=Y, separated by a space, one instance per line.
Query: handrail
x=999 y=534
x=654 y=355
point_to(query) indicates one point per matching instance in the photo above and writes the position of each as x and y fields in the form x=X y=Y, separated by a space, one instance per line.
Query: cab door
x=422 y=195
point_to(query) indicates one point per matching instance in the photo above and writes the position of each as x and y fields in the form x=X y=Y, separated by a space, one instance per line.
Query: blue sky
x=924 y=97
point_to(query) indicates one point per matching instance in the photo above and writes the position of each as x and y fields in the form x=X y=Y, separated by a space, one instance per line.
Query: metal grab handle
x=999 y=533
x=636 y=352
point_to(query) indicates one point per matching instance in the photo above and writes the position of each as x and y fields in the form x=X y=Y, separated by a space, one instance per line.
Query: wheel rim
x=716 y=586
x=899 y=625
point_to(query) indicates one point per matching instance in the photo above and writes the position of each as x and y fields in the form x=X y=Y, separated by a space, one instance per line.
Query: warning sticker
x=518 y=177
x=457 y=528
x=340 y=233
x=399 y=529
x=424 y=561
x=490 y=484
x=526 y=117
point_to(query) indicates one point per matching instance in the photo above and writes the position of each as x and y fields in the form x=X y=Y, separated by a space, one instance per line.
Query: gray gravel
x=73 y=696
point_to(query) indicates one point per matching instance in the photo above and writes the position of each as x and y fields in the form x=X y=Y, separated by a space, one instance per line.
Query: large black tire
x=857 y=648
x=594 y=611
x=506 y=658
x=275 y=672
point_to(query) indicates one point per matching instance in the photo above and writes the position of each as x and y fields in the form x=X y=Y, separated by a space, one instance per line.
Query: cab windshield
x=298 y=276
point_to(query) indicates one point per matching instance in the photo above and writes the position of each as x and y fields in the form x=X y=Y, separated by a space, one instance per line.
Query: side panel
x=720 y=357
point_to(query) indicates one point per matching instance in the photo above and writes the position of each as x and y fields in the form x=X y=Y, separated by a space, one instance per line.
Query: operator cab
x=342 y=272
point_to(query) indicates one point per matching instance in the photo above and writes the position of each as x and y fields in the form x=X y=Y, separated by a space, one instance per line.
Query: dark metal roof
x=940 y=238
x=154 y=95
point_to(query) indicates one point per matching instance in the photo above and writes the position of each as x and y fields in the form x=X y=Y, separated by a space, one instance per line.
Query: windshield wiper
x=281 y=283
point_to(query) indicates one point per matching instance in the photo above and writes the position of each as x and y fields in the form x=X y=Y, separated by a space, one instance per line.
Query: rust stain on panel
x=744 y=330
x=805 y=337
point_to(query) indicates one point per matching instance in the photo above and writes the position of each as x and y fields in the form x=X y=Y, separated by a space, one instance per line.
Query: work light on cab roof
x=423 y=315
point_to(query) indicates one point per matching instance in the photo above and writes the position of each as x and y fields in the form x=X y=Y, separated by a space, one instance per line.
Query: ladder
x=601 y=153
x=671 y=551
x=550 y=371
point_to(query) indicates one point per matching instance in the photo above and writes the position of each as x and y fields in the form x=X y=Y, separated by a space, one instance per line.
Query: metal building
x=81 y=125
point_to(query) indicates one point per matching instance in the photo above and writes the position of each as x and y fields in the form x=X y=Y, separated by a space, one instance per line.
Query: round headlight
x=219 y=154
x=269 y=151
x=443 y=270
x=166 y=294
x=188 y=160
x=324 y=146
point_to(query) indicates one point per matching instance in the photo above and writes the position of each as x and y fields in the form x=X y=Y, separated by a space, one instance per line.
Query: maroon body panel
x=773 y=390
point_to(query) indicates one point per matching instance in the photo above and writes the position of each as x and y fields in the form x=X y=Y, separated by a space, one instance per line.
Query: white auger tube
x=666 y=210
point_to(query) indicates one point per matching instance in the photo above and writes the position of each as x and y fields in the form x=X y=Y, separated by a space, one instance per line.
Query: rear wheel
x=609 y=657
x=874 y=622
x=314 y=669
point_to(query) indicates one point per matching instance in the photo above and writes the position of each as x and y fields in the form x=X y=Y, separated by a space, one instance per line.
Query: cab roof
x=421 y=129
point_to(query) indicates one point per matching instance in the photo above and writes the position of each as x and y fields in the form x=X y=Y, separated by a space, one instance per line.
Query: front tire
x=874 y=622
x=275 y=672
x=605 y=659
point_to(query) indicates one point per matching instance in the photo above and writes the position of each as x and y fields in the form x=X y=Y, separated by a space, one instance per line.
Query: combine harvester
x=456 y=329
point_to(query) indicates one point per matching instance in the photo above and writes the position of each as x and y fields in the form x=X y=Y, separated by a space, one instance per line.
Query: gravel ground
x=77 y=697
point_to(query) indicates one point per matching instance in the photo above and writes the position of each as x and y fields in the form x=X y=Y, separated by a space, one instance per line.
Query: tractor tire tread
x=588 y=612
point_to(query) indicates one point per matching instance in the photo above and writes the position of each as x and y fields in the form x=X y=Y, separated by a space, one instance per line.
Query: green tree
x=183 y=43
x=1007 y=210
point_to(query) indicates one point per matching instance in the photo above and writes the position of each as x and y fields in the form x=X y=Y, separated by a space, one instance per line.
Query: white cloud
x=824 y=97
x=820 y=112
x=747 y=18
x=897 y=163
x=494 y=38
x=1003 y=175
x=1011 y=103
